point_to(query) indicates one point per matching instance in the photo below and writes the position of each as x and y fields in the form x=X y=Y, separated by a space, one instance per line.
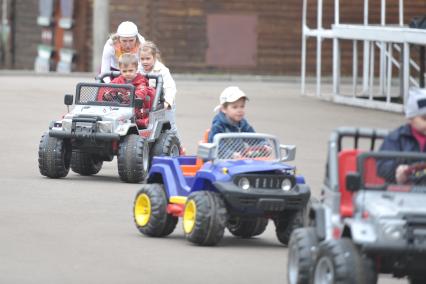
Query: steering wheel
x=262 y=151
x=116 y=97
x=416 y=173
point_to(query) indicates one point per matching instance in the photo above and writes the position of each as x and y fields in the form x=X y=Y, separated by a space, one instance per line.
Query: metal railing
x=390 y=40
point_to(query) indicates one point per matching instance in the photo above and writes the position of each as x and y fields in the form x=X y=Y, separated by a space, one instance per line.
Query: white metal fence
x=388 y=91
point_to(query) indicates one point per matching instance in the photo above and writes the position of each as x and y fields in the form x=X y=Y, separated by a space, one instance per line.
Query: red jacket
x=142 y=88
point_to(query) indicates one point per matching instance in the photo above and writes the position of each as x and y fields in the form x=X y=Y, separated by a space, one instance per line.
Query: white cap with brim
x=127 y=29
x=230 y=95
x=416 y=103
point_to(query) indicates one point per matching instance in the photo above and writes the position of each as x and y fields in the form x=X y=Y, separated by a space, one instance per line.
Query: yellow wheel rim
x=189 y=216
x=142 y=209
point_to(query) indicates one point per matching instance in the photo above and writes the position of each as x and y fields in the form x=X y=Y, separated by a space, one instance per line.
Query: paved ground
x=80 y=229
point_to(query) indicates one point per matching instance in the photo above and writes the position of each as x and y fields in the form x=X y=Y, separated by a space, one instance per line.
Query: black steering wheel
x=114 y=96
x=261 y=151
x=416 y=173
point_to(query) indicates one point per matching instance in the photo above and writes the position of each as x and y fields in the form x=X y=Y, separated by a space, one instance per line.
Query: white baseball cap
x=230 y=95
x=127 y=29
x=416 y=103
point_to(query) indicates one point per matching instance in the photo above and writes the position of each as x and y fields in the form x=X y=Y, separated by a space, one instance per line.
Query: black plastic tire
x=247 y=228
x=171 y=222
x=286 y=223
x=54 y=156
x=302 y=247
x=155 y=221
x=132 y=157
x=85 y=164
x=167 y=144
x=209 y=218
x=417 y=279
x=340 y=262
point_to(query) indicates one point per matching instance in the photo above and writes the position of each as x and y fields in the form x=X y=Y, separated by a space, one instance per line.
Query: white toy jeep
x=102 y=125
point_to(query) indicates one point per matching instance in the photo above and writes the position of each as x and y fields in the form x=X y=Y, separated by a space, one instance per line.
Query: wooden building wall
x=183 y=31
x=180 y=29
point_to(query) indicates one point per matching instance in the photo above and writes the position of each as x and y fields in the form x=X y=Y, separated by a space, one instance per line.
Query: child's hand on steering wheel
x=107 y=96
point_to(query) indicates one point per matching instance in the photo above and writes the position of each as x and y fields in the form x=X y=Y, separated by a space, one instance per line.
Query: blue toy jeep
x=239 y=182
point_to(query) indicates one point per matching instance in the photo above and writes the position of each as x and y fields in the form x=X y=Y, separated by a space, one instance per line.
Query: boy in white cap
x=126 y=40
x=410 y=137
x=231 y=113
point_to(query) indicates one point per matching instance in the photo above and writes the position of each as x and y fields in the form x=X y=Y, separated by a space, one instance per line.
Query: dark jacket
x=221 y=124
x=400 y=140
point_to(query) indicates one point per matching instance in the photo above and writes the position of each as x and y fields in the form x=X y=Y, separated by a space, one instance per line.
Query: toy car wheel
x=167 y=144
x=54 y=156
x=204 y=218
x=133 y=158
x=246 y=228
x=85 y=163
x=302 y=248
x=417 y=279
x=150 y=212
x=286 y=223
x=339 y=261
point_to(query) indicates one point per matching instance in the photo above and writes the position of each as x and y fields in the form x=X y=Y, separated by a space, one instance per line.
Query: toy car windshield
x=237 y=146
x=377 y=170
x=104 y=94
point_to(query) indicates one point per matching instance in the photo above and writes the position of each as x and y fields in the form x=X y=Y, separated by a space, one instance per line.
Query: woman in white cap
x=126 y=40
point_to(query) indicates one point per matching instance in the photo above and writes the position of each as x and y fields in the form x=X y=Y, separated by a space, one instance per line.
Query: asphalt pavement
x=80 y=229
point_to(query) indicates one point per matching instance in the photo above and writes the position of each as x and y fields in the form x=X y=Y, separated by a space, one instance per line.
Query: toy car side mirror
x=288 y=152
x=353 y=181
x=206 y=151
x=68 y=99
x=138 y=102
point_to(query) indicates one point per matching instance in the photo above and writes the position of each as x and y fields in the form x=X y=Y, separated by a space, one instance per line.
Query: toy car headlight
x=66 y=124
x=105 y=126
x=286 y=184
x=393 y=231
x=244 y=183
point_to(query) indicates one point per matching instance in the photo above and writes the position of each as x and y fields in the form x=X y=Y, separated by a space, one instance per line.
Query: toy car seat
x=191 y=170
x=347 y=160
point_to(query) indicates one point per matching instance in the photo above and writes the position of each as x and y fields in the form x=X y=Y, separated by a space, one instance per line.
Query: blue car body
x=221 y=176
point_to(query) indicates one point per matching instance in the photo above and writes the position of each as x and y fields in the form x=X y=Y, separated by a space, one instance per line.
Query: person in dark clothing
x=231 y=113
x=410 y=137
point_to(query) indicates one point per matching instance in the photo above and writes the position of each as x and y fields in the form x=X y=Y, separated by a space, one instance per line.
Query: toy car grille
x=416 y=228
x=265 y=181
x=234 y=148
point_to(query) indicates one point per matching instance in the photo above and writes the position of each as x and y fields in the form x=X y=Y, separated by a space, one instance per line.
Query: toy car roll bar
x=335 y=146
x=111 y=74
